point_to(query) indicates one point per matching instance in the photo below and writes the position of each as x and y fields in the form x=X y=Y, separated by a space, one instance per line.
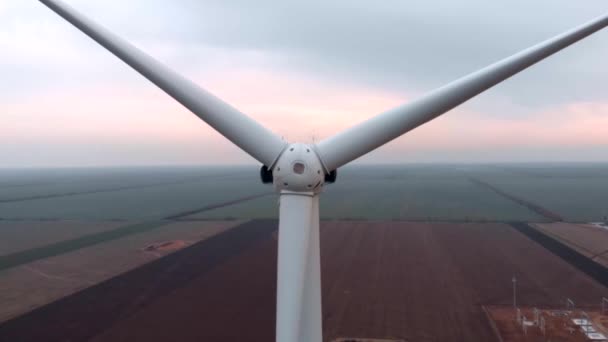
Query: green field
x=126 y=194
x=577 y=192
x=441 y=197
x=50 y=212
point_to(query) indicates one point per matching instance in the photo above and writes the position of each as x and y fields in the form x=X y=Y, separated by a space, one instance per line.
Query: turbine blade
x=297 y=217
x=237 y=127
x=365 y=137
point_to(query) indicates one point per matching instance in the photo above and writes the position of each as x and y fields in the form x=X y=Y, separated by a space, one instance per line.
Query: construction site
x=538 y=324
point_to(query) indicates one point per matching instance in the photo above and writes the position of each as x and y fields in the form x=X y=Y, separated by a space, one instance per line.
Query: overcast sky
x=306 y=70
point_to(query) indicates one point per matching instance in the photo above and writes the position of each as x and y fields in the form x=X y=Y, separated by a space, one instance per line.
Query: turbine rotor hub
x=298 y=169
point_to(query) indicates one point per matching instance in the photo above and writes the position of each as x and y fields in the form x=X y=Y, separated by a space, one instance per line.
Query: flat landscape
x=577 y=193
x=408 y=252
x=587 y=239
x=18 y=236
x=382 y=279
x=40 y=282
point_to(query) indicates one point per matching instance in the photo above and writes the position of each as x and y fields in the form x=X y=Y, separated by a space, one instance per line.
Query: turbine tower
x=299 y=171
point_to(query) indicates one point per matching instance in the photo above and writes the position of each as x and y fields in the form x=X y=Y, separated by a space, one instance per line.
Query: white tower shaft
x=298 y=275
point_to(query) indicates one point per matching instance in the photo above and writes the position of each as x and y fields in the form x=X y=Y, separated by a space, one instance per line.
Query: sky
x=306 y=70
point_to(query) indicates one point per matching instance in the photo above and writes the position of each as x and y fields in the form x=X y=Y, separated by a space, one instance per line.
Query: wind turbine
x=299 y=171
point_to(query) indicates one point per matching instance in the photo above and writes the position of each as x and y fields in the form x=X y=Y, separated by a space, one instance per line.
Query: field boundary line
x=178 y=216
x=573 y=257
x=114 y=189
x=599 y=254
x=61 y=247
x=564 y=240
x=492 y=323
x=538 y=209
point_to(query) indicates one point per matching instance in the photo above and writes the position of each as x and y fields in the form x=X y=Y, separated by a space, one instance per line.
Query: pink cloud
x=576 y=124
x=294 y=106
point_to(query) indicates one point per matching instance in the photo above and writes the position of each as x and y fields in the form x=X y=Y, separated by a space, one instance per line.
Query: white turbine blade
x=237 y=127
x=296 y=220
x=377 y=131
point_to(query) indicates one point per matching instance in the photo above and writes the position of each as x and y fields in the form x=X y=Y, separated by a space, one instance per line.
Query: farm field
x=17 y=236
x=587 y=239
x=402 y=246
x=24 y=183
x=34 y=284
x=114 y=196
x=576 y=192
x=453 y=200
x=381 y=279
x=400 y=194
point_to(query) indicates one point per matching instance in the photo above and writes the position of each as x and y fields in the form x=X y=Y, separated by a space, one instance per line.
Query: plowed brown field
x=413 y=281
